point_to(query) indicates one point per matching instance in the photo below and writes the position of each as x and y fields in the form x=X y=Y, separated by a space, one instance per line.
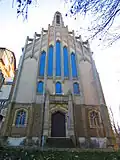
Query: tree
x=22 y=7
x=105 y=13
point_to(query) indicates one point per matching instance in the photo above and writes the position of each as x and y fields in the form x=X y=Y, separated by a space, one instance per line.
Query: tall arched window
x=20 y=118
x=50 y=61
x=42 y=63
x=66 y=67
x=40 y=87
x=58 y=88
x=76 y=88
x=74 y=67
x=58 y=59
x=94 y=118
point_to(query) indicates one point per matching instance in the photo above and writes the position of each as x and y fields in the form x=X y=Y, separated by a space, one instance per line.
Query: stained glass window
x=58 y=88
x=50 y=61
x=20 y=118
x=58 y=59
x=94 y=119
x=66 y=67
x=76 y=88
x=42 y=63
x=74 y=68
x=40 y=87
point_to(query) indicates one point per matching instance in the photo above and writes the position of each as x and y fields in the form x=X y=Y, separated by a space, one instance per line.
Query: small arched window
x=58 y=19
x=76 y=88
x=58 y=58
x=58 y=88
x=94 y=118
x=42 y=63
x=66 y=67
x=74 y=67
x=50 y=61
x=40 y=87
x=20 y=118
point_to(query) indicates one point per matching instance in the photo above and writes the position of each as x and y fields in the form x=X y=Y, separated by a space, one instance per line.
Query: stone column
x=46 y=116
x=70 y=117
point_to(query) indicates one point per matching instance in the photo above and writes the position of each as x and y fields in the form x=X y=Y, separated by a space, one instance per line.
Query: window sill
x=19 y=126
x=50 y=77
x=40 y=77
x=39 y=93
x=66 y=78
x=75 y=94
x=75 y=78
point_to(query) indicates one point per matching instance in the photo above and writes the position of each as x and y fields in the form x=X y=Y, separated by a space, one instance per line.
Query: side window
x=76 y=89
x=40 y=87
x=94 y=119
x=20 y=118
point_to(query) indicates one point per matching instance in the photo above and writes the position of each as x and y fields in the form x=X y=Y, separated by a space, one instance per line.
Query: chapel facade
x=57 y=92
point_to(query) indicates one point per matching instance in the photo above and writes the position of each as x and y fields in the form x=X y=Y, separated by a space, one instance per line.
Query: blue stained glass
x=76 y=88
x=58 y=88
x=50 y=61
x=40 y=87
x=42 y=63
x=66 y=68
x=58 y=59
x=20 y=118
x=74 y=68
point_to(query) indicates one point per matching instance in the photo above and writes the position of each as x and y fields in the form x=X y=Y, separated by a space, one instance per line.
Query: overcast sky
x=13 y=33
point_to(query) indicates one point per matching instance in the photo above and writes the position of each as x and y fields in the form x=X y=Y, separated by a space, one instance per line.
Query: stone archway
x=58 y=126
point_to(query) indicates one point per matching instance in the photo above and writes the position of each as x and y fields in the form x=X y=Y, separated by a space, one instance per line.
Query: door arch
x=58 y=128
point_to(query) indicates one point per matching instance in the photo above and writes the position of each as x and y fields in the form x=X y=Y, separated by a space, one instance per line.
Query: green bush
x=32 y=154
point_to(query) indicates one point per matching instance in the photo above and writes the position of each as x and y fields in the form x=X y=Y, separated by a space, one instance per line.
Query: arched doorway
x=58 y=125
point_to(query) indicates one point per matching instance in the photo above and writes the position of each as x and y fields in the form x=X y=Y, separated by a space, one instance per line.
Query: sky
x=13 y=33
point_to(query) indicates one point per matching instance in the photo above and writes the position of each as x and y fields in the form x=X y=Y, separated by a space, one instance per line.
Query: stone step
x=59 y=142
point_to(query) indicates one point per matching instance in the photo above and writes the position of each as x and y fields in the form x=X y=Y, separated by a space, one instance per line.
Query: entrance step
x=59 y=142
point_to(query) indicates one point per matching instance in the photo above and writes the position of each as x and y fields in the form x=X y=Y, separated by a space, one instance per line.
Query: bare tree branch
x=105 y=14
